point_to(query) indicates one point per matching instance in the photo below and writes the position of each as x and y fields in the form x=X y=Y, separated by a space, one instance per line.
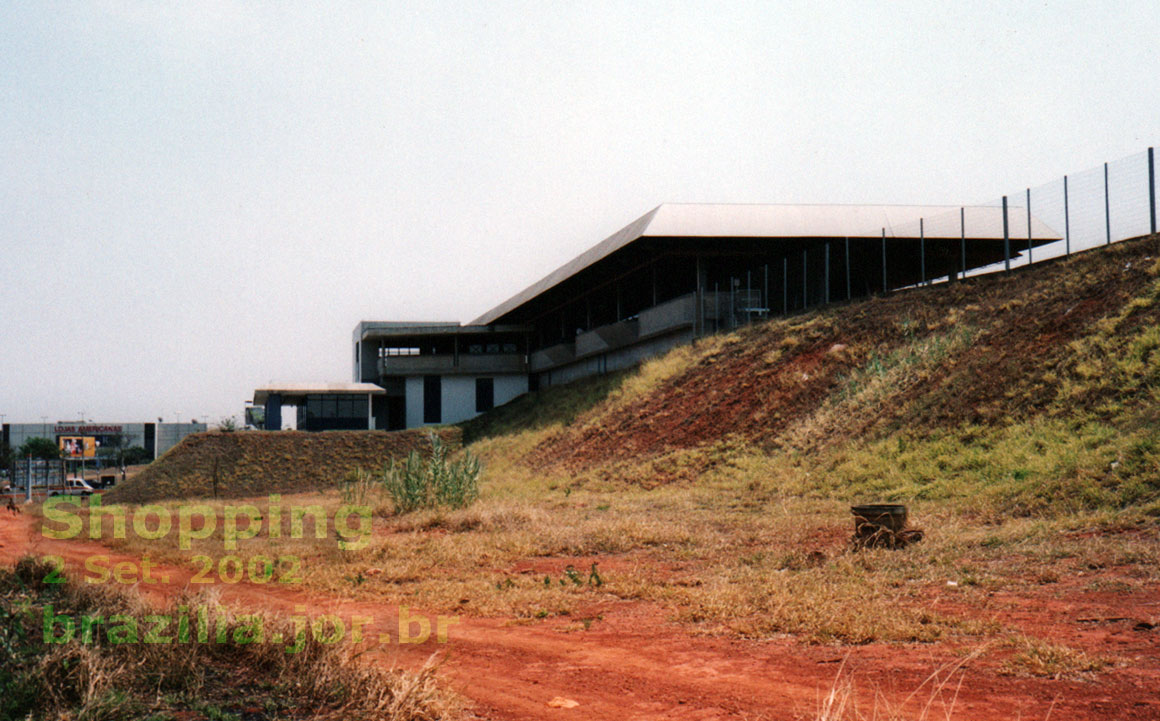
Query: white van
x=74 y=487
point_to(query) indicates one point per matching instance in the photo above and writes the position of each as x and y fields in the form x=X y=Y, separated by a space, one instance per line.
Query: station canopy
x=293 y=394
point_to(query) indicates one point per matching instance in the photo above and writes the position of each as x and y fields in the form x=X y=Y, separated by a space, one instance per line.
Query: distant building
x=672 y=275
x=155 y=438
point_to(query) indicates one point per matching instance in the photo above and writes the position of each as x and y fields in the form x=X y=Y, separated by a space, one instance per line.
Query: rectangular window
x=359 y=408
x=432 y=399
x=313 y=407
x=484 y=394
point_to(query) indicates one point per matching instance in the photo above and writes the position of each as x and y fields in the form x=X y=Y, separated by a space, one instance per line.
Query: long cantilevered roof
x=720 y=220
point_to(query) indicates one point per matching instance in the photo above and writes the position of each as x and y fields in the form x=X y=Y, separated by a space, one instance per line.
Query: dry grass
x=935 y=698
x=1036 y=657
x=721 y=558
x=103 y=678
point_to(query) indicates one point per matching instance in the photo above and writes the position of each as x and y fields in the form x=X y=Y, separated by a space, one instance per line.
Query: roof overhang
x=792 y=223
x=295 y=393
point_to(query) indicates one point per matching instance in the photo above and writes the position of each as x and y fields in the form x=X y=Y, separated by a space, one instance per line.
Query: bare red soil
x=634 y=664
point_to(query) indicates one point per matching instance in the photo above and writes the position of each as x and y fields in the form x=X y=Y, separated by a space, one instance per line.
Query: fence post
x=847 y=267
x=1029 y=260
x=963 y=241
x=699 y=318
x=921 y=252
x=765 y=295
x=748 y=295
x=884 y=261
x=732 y=304
x=1152 y=188
x=1066 y=221
x=1107 y=207
x=785 y=285
x=1006 y=239
x=826 y=270
x=805 y=281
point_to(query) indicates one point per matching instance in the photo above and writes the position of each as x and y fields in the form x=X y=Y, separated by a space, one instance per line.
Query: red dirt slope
x=1006 y=341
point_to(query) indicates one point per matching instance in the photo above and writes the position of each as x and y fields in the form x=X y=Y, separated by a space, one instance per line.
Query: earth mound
x=232 y=465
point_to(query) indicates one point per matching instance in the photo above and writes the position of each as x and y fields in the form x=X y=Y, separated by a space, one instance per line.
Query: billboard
x=78 y=446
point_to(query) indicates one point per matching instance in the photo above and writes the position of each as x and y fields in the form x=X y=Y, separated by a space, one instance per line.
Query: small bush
x=358 y=487
x=434 y=481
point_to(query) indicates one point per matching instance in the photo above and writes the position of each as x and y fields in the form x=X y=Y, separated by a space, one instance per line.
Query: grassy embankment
x=1017 y=416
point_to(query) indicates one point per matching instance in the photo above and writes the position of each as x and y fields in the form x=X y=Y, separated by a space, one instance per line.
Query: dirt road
x=633 y=664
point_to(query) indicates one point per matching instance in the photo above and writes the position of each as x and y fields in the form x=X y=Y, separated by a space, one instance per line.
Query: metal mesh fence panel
x=1108 y=203
x=1128 y=197
x=1086 y=209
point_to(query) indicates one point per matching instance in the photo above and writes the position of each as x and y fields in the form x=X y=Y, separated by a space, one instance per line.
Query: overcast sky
x=197 y=198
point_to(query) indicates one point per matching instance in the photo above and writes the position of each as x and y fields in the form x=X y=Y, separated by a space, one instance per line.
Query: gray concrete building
x=676 y=273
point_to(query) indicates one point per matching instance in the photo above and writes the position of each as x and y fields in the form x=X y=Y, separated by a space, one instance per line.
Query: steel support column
x=1006 y=239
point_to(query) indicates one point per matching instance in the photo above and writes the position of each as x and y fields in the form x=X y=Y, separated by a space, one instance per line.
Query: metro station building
x=674 y=274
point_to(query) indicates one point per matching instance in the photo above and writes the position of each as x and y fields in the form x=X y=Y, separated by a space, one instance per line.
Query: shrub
x=136 y=455
x=434 y=481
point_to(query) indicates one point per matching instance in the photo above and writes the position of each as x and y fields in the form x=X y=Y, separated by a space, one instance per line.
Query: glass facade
x=333 y=412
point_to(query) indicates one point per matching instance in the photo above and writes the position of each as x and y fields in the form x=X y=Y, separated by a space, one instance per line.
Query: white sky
x=199 y=197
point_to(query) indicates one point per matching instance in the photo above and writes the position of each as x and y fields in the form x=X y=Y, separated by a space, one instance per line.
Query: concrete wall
x=458 y=396
x=170 y=434
x=613 y=360
x=414 y=395
x=366 y=362
x=508 y=388
x=666 y=316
